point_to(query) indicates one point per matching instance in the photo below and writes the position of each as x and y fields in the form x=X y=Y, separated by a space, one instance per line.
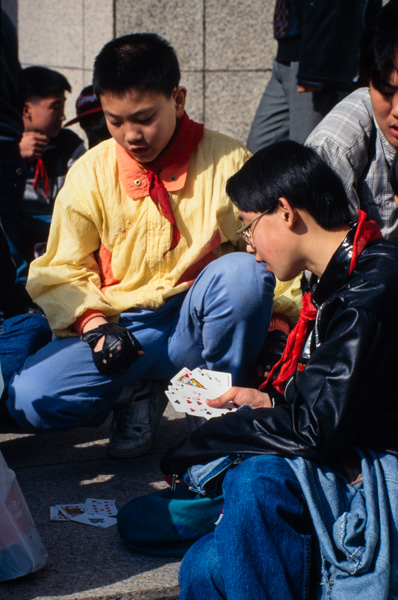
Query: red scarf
x=185 y=140
x=41 y=174
x=286 y=366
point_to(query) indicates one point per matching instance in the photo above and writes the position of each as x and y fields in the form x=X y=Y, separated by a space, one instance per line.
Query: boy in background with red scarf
x=140 y=277
x=324 y=425
x=48 y=151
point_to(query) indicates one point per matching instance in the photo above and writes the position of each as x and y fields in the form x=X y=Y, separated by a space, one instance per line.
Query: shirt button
x=173 y=178
x=137 y=182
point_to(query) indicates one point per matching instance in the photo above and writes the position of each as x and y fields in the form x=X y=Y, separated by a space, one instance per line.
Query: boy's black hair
x=295 y=172
x=379 y=45
x=41 y=82
x=394 y=175
x=139 y=61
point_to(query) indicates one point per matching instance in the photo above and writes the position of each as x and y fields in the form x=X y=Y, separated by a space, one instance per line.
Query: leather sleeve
x=328 y=406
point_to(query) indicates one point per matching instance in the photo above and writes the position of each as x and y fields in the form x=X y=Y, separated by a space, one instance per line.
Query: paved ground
x=88 y=562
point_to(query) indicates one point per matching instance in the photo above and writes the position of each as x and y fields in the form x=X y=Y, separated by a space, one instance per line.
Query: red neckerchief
x=286 y=366
x=41 y=174
x=185 y=140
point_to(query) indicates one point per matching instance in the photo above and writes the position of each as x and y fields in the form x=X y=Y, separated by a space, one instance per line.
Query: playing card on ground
x=100 y=507
x=97 y=512
x=95 y=520
x=70 y=510
x=56 y=515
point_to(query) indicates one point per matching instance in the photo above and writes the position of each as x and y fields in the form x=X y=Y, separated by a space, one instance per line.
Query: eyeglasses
x=246 y=233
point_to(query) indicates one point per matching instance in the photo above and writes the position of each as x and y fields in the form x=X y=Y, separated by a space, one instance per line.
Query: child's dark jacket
x=346 y=395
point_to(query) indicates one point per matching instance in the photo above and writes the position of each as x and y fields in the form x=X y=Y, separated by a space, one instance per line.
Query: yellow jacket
x=107 y=239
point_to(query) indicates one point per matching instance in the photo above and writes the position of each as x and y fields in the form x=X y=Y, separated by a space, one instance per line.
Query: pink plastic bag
x=21 y=549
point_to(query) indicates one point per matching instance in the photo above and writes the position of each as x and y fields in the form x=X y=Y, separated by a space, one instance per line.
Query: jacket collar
x=135 y=180
x=336 y=272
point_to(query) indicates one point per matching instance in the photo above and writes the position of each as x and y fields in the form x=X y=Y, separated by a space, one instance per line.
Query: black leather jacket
x=347 y=393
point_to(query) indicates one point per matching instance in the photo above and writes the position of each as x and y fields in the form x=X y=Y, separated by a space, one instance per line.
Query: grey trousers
x=285 y=114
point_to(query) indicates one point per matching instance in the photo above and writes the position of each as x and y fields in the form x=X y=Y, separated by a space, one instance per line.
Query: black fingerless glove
x=120 y=348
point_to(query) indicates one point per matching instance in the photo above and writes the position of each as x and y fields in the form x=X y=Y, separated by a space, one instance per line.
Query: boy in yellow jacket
x=139 y=278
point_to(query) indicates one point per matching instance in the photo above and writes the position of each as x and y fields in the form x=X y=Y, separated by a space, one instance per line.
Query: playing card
x=95 y=520
x=222 y=380
x=177 y=402
x=190 y=390
x=56 y=515
x=100 y=507
x=186 y=377
x=70 y=510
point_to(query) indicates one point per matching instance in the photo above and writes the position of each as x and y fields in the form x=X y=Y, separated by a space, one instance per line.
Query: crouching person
x=311 y=510
x=141 y=276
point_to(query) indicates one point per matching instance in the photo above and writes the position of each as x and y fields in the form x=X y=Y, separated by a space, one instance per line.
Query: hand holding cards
x=189 y=391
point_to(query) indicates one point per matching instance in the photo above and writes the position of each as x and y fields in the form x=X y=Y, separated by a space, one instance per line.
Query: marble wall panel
x=231 y=100
x=181 y=23
x=239 y=34
x=50 y=33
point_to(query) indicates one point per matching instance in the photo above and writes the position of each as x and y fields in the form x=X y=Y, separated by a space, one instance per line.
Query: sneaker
x=134 y=422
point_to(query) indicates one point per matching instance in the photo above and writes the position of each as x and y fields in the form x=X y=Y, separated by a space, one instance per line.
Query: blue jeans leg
x=21 y=336
x=60 y=387
x=224 y=319
x=262 y=547
x=220 y=323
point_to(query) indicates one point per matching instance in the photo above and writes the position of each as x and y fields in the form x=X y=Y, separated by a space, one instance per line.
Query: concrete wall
x=225 y=47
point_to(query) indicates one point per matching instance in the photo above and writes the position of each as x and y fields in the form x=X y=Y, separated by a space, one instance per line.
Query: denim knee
x=239 y=271
x=243 y=284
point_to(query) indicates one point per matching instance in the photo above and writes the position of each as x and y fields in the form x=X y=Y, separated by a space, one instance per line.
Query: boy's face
x=385 y=105
x=45 y=115
x=274 y=243
x=143 y=123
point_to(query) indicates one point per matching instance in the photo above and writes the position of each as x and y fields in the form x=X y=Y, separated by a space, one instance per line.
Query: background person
x=48 y=151
x=316 y=65
x=359 y=137
x=90 y=116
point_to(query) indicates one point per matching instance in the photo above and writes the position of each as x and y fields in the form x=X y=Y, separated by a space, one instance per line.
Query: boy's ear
x=27 y=111
x=287 y=212
x=179 y=95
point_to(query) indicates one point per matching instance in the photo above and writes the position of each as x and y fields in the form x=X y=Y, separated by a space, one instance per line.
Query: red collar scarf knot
x=366 y=232
x=186 y=138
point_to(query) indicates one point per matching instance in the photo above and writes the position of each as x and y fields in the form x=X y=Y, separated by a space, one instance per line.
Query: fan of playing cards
x=189 y=391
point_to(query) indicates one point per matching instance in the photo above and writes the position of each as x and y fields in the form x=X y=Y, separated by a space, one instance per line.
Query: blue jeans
x=356 y=525
x=21 y=336
x=220 y=323
x=293 y=529
x=262 y=547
